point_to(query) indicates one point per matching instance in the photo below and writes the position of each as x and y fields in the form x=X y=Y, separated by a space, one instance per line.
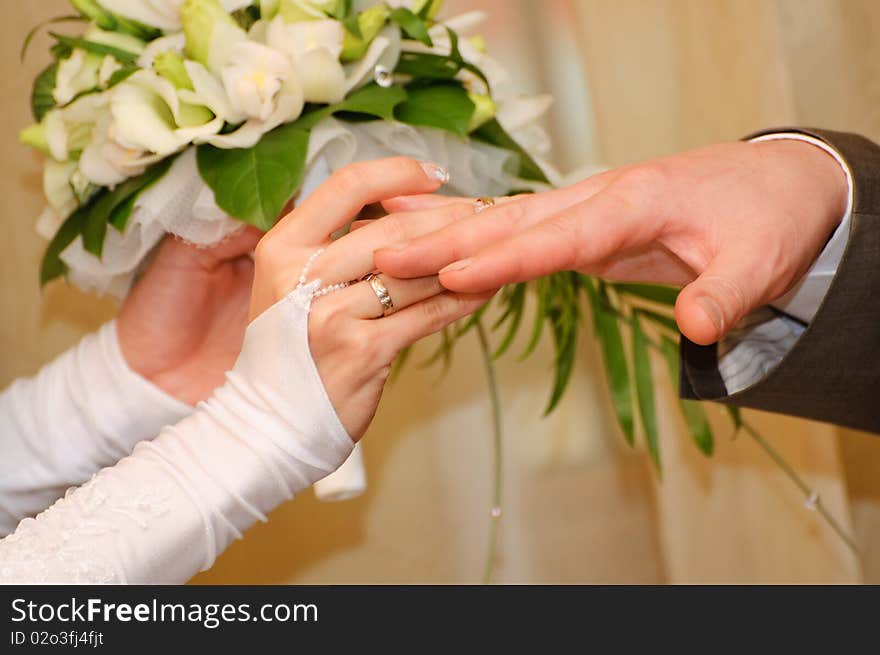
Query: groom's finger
x=418 y=202
x=349 y=190
x=427 y=255
x=351 y=256
x=578 y=237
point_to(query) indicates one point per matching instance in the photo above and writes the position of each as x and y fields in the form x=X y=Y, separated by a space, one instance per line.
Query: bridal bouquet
x=228 y=105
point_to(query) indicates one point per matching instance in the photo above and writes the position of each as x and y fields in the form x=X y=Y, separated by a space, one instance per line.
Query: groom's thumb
x=713 y=303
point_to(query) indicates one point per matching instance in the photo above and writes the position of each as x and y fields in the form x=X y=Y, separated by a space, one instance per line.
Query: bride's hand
x=351 y=342
x=182 y=324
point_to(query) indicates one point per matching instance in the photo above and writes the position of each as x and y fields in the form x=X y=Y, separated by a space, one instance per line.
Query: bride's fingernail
x=457 y=266
x=435 y=172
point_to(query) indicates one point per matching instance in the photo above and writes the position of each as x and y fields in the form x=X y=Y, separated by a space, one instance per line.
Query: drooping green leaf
x=692 y=410
x=665 y=322
x=446 y=106
x=607 y=329
x=36 y=30
x=735 y=416
x=412 y=25
x=565 y=341
x=542 y=289
x=645 y=391
x=657 y=293
x=515 y=299
x=492 y=132
x=254 y=184
x=42 y=95
x=120 y=215
x=71 y=42
x=52 y=267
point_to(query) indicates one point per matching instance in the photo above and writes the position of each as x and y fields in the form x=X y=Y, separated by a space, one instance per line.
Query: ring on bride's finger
x=483 y=203
x=382 y=294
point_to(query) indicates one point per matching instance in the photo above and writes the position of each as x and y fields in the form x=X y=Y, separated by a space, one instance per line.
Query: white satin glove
x=85 y=410
x=306 y=379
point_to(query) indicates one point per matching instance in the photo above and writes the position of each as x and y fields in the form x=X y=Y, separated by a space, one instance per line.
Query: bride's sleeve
x=85 y=410
x=164 y=513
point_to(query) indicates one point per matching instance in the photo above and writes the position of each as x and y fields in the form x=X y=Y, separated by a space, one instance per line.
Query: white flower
x=253 y=79
x=57 y=187
x=68 y=130
x=149 y=116
x=161 y=14
x=77 y=73
x=314 y=48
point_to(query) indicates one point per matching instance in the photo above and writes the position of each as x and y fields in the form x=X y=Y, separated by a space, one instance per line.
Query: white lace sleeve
x=85 y=410
x=165 y=512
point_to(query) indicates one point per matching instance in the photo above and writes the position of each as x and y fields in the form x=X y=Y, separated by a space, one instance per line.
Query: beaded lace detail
x=68 y=542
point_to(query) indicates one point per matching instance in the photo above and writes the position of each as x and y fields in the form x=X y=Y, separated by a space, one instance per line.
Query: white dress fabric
x=166 y=512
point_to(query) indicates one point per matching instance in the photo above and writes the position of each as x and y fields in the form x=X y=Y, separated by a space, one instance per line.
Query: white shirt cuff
x=804 y=299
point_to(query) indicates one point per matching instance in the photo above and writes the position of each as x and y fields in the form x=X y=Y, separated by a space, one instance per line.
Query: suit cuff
x=804 y=299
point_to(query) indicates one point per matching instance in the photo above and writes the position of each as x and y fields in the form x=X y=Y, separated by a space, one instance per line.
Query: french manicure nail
x=713 y=311
x=435 y=172
x=457 y=266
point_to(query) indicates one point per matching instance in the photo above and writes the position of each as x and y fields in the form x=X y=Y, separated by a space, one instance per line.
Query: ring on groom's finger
x=483 y=203
x=382 y=294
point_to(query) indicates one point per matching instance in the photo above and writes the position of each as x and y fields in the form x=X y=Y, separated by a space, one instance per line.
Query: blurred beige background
x=633 y=79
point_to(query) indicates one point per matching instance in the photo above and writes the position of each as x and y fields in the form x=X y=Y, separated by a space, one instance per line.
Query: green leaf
x=371 y=101
x=103 y=209
x=735 y=416
x=52 y=267
x=645 y=391
x=492 y=132
x=70 y=42
x=607 y=329
x=515 y=298
x=52 y=21
x=412 y=25
x=42 y=96
x=446 y=106
x=692 y=410
x=666 y=322
x=426 y=65
x=653 y=292
x=542 y=288
x=565 y=340
x=254 y=184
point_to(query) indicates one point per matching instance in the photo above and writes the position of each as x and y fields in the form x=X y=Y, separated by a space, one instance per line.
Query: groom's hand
x=737 y=224
x=182 y=325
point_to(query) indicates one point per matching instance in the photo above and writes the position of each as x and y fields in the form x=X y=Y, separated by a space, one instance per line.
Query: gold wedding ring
x=382 y=294
x=483 y=203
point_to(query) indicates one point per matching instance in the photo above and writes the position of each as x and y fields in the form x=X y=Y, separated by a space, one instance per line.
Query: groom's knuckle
x=511 y=212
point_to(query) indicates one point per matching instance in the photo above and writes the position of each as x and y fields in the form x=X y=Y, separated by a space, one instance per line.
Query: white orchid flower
x=314 y=48
x=253 y=79
x=261 y=86
x=211 y=33
x=58 y=189
x=67 y=130
x=106 y=163
x=148 y=115
x=171 y=43
x=76 y=74
x=161 y=14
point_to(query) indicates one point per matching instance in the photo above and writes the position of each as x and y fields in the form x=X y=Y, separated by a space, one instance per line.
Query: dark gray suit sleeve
x=832 y=373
